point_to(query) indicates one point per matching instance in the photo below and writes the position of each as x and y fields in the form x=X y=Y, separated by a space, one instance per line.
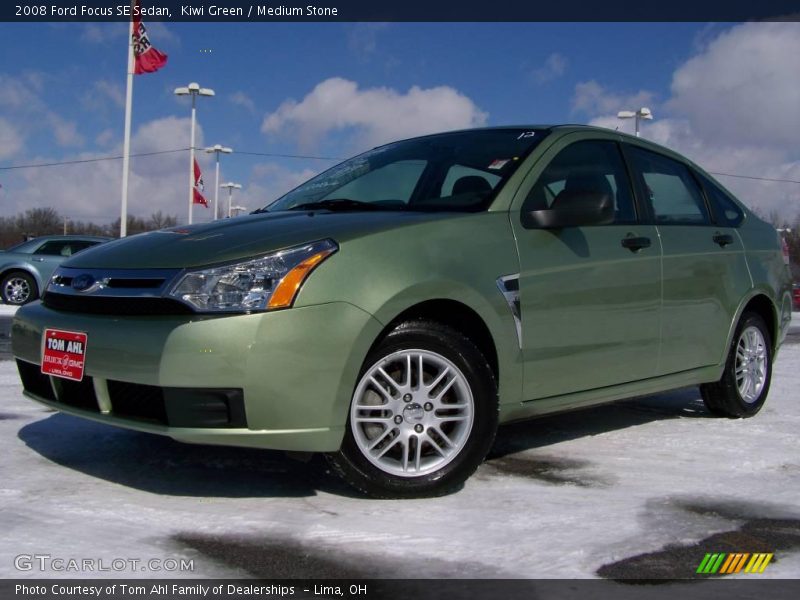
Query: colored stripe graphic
x=723 y=563
x=711 y=563
x=758 y=563
x=734 y=563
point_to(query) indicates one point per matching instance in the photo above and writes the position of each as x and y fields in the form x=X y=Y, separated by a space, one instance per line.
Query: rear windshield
x=460 y=171
x=26 y=246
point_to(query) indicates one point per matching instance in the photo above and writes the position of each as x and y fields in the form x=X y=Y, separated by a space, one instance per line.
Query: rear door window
x=673 y=194
x=726 y=211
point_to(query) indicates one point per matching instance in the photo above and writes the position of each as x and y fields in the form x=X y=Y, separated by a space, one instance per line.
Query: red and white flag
x=147 y=58
x=198 y=189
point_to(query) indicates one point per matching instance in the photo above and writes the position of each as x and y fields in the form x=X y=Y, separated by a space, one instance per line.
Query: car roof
x=566 y=128
x=91 y=238
x=563 y=128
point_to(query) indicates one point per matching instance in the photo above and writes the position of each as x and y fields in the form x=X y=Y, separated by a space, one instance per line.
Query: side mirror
x=572 y=209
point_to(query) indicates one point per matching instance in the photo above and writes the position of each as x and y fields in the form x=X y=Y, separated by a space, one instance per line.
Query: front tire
x=423 y=415
x=744 y=385
x=18 y=288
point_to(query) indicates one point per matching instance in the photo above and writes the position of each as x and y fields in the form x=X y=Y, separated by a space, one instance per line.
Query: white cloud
x=270 y=180
x=242 y=99
x=11 y=141
x=105 y=137
x=592 y=98
x=744 y=86
x=102 y=91
x=362 y=38
x=735 y=109
x=65 y=132
x=21 y=101
x=374 y=115
x=161 y=36
x=18 y=93
x=92 y=191
x=554 y=67
x=104 y=33
x=101 y=33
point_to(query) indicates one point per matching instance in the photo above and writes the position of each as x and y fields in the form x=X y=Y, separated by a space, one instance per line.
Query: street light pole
x=642 y=113
x=217 y=149
x=231 y=186
x=194 y=90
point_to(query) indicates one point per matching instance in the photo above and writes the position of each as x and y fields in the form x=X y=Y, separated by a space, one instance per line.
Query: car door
x=589 y=296
x=49 y=255
x=704 y=269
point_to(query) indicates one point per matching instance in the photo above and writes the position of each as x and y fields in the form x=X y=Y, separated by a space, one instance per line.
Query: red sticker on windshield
x=499 y=163
x=63 y=354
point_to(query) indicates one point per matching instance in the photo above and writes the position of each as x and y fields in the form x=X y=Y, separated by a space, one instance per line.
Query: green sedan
x=392 y=311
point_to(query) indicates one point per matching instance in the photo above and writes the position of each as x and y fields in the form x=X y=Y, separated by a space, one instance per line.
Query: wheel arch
x=763 y=307
x=457 y=315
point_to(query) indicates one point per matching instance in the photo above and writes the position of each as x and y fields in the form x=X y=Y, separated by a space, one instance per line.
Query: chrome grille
x=113 y=291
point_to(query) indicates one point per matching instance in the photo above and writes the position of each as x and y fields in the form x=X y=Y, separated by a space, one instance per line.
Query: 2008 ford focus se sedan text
x=393 y=310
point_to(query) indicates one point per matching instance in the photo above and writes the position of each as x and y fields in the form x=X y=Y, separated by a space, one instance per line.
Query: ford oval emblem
x=83 y=283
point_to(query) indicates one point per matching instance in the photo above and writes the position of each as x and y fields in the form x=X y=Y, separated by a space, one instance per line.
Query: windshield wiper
x=341 y=204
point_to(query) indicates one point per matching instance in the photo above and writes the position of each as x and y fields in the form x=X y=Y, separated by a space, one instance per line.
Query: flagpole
x=191 y=159
x=126 y=144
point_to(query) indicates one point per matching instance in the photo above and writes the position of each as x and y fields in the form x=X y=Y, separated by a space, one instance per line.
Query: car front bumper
x=280 y=380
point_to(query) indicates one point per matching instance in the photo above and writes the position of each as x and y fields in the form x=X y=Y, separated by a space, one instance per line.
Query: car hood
x=242 y=237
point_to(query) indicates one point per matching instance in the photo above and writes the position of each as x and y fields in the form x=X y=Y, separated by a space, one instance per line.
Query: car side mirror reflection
x=572 y=209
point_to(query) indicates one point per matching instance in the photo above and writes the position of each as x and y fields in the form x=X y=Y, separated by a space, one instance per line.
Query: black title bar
x=401 y=10
x=396 y=589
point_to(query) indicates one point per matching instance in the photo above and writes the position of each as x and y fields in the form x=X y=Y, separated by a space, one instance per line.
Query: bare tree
x=158 y=220
x=40 y=221
x=36 y=222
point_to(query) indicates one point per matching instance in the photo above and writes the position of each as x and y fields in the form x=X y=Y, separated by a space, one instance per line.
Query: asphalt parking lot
x=639 y=489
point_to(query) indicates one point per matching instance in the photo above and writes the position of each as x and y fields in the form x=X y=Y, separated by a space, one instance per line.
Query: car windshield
x=459 y=171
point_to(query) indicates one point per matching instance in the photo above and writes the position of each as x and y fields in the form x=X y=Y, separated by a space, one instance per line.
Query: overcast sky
x=727 y=96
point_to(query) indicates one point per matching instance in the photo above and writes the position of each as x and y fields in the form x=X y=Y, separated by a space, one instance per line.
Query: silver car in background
x=26 y=268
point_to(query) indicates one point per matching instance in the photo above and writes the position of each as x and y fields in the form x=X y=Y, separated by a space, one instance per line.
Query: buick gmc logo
x=85 y=283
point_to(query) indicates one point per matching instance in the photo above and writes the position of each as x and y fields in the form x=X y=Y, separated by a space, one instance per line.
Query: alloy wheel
x=412 y=413
x=751 y=364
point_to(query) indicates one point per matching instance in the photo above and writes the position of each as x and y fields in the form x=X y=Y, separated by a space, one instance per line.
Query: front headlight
x=263 y=283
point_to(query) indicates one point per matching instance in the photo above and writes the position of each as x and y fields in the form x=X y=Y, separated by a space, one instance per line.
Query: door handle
x=634 y=244
x=723 y=239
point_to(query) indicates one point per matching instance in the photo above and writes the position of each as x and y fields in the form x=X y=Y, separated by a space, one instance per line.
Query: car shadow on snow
x=160 y=465
x=684 y=403
x=271 y=558
x=519 y=449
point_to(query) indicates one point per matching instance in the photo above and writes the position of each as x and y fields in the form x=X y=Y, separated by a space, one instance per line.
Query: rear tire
x=744 y=385
x=18 y=288
x=423 y=415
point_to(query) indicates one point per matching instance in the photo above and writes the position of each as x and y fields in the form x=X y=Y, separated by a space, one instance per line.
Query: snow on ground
x=7 y=310
x=560 y=498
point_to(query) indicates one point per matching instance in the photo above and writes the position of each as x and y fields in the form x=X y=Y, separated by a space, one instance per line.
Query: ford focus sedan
x=392 y=311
